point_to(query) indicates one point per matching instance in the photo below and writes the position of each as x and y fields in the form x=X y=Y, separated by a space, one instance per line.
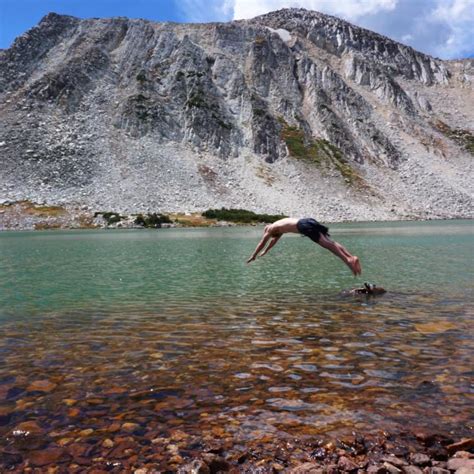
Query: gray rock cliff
x=294 y=112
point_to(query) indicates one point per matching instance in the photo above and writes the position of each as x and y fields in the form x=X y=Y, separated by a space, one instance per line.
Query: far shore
x=26 y=215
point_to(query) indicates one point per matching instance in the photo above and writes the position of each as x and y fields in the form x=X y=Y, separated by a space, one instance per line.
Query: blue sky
x=442 y=28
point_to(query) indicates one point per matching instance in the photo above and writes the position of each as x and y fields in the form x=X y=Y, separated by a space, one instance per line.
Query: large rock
x=454 y=464
x=307 y=468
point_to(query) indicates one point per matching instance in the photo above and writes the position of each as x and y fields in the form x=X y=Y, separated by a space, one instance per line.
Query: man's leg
x=337 y=249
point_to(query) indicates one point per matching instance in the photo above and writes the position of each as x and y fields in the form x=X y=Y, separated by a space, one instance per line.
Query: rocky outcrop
x=340 y=37
x=294 y=112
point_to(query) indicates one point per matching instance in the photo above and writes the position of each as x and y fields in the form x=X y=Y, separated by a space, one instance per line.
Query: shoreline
x=28 y=216
x=220 y=224
x=129 y=447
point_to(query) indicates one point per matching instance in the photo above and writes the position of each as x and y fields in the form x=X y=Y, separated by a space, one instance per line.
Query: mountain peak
x=267 y=114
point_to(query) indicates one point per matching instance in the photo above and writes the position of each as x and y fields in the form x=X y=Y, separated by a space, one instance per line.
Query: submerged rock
x=47 y=456
x=26 y=428
x=307 y=468
x=463 y=445
x=41 y=386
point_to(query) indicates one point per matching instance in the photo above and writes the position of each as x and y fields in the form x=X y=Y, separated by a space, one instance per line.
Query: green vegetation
x=334 y=154
x=240 y=215
x=152 y=220
x=463 y=137
x=141 y=76
x=221 y=122
x=295 y=141
x=259 y=112
x=194 y=74
x=140 y=98
x=470 y=144
x=139 y=104
x=318 y=151
x=109 y=217
x=198 y=99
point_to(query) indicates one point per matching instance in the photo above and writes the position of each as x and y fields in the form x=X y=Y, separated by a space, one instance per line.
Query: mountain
x=291 y=112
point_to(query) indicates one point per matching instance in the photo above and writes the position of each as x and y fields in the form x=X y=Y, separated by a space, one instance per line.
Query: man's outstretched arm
x=273 y=241
x=259 y=247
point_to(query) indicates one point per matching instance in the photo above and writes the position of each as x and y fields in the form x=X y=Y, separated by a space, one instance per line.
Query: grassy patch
x=319 y=151
x=41 y=210
x=295 y=141
x=47 y=226
x=462 y=137
x=191 y=220
x=324 y=149
x=49 y=211
x=240 y=215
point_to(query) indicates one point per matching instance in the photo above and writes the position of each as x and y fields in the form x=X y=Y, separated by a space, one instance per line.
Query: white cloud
x=454 y=10
x=458 y=16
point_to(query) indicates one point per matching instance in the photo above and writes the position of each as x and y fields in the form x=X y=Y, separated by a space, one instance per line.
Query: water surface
x=171 y=329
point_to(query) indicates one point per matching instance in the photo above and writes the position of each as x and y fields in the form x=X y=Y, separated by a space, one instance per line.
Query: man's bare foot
x=354 y=265
x=359 y=268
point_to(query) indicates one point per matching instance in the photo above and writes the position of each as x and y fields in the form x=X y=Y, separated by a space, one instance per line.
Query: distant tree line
x=240 y=215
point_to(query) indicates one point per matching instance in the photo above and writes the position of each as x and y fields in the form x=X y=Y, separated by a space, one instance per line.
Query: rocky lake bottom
x=161 y=351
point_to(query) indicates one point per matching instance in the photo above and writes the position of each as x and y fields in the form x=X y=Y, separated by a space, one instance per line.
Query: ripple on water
x=306 y=367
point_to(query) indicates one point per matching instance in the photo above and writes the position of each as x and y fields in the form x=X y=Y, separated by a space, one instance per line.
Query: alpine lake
x=165 y=342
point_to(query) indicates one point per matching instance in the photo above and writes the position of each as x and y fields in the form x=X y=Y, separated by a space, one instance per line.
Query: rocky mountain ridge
x=292 y=112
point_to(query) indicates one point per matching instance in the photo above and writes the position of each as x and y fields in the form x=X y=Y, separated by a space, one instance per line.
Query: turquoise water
x=119 y=322
x=60 y=271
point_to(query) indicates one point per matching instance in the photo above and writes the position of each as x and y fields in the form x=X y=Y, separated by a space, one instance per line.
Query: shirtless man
x=310 y=228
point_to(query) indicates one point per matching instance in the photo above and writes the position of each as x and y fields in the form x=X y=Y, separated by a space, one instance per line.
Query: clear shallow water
x=171 y=328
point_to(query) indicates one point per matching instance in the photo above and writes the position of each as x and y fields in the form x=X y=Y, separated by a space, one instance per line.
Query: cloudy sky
x=442 y=28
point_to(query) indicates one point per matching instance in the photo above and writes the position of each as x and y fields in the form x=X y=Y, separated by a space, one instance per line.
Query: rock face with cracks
x=292 y=112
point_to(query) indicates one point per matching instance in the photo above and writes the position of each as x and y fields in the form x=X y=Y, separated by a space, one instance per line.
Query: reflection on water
x=101 y=331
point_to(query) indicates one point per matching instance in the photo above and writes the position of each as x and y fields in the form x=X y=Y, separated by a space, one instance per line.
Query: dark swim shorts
x=311 y=228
